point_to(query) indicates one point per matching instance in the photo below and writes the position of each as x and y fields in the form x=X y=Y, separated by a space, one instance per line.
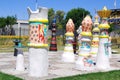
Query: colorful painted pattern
x=38 y=33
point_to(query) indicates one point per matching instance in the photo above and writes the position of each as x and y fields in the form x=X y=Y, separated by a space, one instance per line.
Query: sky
x=19 y=7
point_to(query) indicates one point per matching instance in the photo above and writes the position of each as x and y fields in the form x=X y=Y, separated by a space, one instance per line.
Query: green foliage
x=10 y=20
x=59 y=15
x=51 y=15
x=2 y=22
x=60 y=18
x=8 y=77
x=7 y=21
x=77 y=16
x=111 y=28
x=111 y=75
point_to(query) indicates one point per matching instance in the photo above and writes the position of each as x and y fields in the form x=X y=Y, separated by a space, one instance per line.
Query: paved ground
x=57 y=68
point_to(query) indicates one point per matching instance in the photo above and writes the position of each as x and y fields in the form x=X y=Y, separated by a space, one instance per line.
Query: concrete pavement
x=57 y=68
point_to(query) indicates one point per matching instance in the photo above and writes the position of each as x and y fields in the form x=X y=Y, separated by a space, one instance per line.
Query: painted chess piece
x=95 y=40
x=102 y=61
x=53 y=44
x=85 y=47
x=38 y=53
x=68 y=55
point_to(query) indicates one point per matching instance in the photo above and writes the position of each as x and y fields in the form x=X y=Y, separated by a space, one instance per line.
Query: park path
x=57 y=68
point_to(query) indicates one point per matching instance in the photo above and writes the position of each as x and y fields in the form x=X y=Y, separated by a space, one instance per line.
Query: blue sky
x=19 y=7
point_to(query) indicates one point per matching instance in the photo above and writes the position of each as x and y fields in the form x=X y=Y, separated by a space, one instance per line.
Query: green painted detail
x=33 y=22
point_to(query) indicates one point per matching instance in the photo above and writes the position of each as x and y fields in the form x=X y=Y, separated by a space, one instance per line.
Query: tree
x=2 y=25
x=2 y=22
x=59 y=15
x=51 y=15
x=60 y=18
x=77 y=15
x=111 y=28
x=7 y=23
x=10 y=21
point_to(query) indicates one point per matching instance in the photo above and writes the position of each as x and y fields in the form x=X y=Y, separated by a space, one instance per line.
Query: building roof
x=115 y=16
x=115 y=10
x=22 y=21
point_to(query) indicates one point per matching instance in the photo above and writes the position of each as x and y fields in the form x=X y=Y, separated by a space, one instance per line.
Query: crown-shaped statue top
x=104 y=13
x=40 y=13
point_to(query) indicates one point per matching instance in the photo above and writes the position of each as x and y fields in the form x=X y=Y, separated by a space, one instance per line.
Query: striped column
x=53 y=44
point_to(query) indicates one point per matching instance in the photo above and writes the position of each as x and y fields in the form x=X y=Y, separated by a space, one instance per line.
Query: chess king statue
x=103 y=51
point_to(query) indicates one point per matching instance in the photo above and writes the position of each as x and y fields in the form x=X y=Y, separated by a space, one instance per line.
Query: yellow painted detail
x=96 y=29
x=68 y=45
x=39 y=20
x=13 y=37
x=95 y=40
x=37 y=45
x=79 y=44
x=85 y=55
x=93 y=53
x=103 y=36
x=68 y=50
x=69 y=34
x=86 y=33
x=95 y=36
x=94 y=46
x=104 y=26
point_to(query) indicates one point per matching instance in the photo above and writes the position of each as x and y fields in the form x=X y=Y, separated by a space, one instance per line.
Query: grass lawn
x=4 y=76
x=111 y=75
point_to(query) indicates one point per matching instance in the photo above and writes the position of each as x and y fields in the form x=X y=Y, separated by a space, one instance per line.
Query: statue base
x=68 y=55
x=102 y=61
x=38 y=62
x=83 y=64
x=19 y=60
